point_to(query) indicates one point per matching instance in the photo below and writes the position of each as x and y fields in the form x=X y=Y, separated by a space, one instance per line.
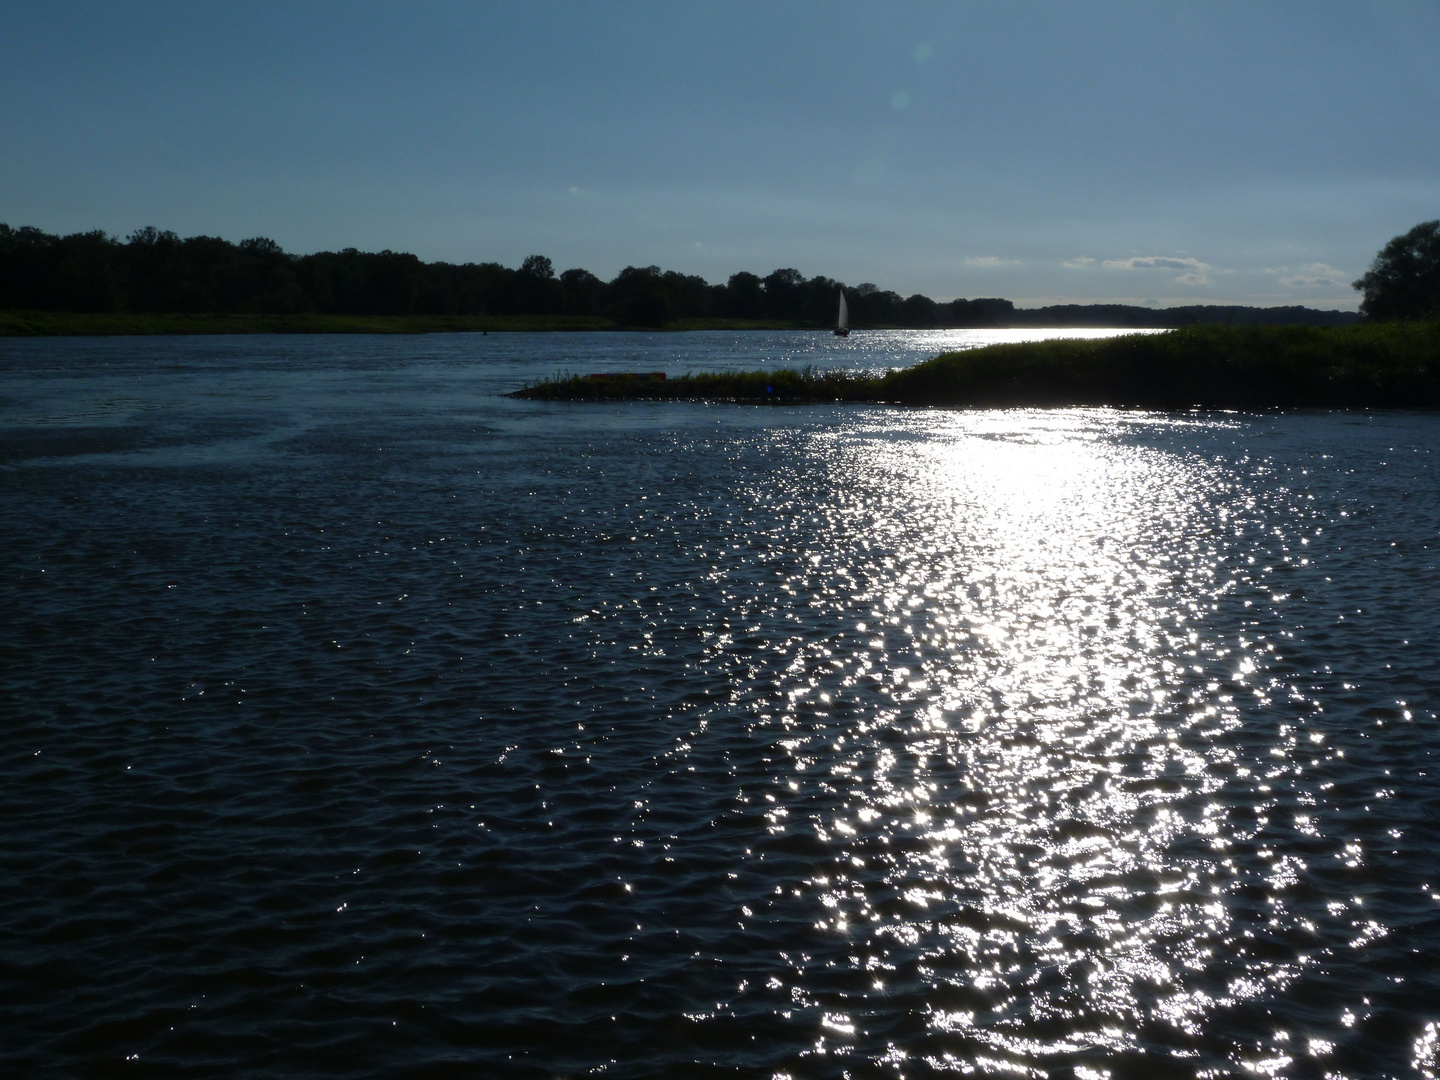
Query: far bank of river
x=130 y=324
x=1111 y=318
x=126 y=324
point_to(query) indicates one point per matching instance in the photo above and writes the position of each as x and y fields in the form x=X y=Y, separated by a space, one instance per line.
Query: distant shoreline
x=130 y=324
x=155 y=282
x=127 y=324
x=77 y=324
x=1385 y=365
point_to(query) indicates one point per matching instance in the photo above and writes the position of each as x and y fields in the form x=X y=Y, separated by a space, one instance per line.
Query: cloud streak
x=1315 y=275
x=1193 y=271
x=1158 y=262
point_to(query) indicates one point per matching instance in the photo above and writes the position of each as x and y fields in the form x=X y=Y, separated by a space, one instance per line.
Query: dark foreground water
x=359 y=722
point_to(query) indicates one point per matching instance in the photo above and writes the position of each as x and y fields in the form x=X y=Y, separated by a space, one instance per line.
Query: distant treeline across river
x=156 y=271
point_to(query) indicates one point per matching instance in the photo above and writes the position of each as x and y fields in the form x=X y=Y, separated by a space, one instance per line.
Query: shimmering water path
x=358 y=721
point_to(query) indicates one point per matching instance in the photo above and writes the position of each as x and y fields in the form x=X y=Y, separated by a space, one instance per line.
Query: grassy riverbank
x=77 y=324
x=1217 y=367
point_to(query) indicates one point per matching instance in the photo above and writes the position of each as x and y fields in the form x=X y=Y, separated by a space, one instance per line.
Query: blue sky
x=1148 y=153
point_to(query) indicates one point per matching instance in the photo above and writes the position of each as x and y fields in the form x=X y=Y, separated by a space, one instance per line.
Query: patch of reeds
x=1394 y=365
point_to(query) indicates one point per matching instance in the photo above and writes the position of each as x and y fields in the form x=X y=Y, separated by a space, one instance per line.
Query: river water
x=360 y=721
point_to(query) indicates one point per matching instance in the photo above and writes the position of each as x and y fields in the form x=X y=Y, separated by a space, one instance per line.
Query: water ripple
x=670 y=740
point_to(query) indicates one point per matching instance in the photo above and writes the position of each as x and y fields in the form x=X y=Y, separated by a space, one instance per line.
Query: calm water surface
x=358 y=721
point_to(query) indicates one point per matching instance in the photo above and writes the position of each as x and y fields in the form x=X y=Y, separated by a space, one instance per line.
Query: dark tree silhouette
x=919 y=310
x=638 y=296
x=782 y=293
x=538 y=266
x=582 y=291
x=1404 y=280
x=744 y=296
x=155 y=270
x=534 y=288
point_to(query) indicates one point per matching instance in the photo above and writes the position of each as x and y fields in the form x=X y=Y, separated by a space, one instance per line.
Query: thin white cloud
x=1078 y=263
x=989 y=260
x=1198 y=278
x=1315 y=275
x=1158 y=262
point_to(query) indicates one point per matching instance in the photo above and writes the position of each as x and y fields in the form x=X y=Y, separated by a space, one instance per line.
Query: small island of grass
x=1387 y=365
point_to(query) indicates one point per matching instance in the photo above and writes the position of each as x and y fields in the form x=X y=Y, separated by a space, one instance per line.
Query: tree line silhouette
x=154 y=271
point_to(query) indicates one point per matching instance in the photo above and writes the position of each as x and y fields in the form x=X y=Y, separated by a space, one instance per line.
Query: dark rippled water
x=360 y=722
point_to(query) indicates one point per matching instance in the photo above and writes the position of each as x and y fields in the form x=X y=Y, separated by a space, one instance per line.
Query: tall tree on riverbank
x=1404 y=280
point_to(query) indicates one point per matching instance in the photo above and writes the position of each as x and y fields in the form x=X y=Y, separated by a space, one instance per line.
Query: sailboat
x=842 y=323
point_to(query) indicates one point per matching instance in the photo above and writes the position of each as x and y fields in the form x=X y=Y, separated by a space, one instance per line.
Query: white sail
x=844 y=323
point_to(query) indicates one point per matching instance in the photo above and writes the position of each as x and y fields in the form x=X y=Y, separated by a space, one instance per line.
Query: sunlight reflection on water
x=1026 y=836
